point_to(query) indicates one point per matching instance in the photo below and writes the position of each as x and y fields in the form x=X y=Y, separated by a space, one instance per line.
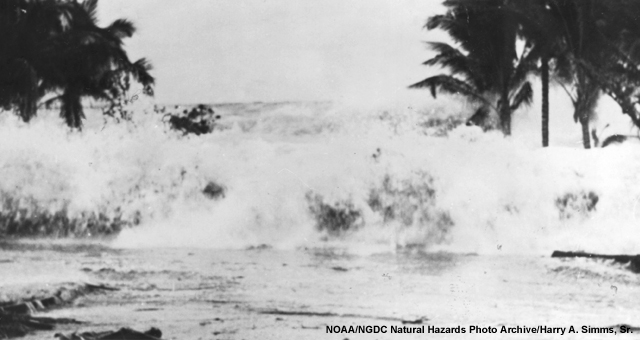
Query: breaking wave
x=293 y=175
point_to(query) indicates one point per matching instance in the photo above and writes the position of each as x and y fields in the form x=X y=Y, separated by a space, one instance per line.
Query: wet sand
x=274 y=294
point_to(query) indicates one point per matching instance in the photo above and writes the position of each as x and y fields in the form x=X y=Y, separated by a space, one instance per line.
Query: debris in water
x=15 y=320
x=632 y=260
x=123 y=333
x=14 y=325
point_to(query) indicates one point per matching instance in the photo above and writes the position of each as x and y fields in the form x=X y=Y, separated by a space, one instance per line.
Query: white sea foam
x=469 y=191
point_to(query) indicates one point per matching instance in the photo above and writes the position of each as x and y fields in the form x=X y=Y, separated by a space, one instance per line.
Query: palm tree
x=60 y=44
x=486 y=67
x=595 y=36
x=540 y=30
x=583 y=45
x=589 y=45
x=618 y=73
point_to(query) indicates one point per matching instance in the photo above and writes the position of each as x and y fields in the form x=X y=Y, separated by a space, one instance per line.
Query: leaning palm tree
x=466 y=79
x=72 y=57
x=485 y=67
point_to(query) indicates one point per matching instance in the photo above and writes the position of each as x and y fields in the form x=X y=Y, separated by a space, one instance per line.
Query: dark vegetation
x=53 y=51
x=589 y=47
x=200 y=120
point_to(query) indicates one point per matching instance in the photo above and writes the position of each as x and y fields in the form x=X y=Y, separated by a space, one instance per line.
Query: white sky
x=274 y=50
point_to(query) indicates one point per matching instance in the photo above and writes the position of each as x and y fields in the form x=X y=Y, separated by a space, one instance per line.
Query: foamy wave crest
x=310 y=174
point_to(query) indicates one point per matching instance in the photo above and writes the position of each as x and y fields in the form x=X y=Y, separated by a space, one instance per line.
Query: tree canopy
x=485 y=67
x=55 y=49
x=590 y=47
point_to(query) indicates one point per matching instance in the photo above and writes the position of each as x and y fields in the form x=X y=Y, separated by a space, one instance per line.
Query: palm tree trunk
x=506 y=120
x=582 y=114
x=505 y=112
x=586 y=139
x=545 y=102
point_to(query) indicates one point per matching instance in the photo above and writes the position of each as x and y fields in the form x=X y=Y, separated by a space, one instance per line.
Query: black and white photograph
x=319 y=169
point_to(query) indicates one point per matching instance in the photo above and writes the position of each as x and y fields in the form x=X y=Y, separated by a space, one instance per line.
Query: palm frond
x=47 y=104
x=121 y=28
x=140 y=71
x=20 y=88
x=449 y=57
x=450 y=84
x=525 y=66
x=523 y=96
x=435 y=21
x=91 y=7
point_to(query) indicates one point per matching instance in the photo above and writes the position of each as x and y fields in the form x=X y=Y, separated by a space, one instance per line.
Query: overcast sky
x=274 y=50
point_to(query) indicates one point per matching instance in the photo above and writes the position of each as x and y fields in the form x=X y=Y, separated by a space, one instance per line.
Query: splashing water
x=314 y=174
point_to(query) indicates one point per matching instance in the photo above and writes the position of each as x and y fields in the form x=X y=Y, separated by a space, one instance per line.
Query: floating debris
x=123 y=333
x=632 y=260
x=16 y=325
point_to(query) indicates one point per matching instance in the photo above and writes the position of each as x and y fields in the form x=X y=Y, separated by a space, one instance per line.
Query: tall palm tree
x=594 y=36
x=540 y=30
x=590 y=44
x=618 y=73
x=62 y=46
x=486 y=67
x=584 y=45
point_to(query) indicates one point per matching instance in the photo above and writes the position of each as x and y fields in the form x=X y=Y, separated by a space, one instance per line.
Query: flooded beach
x=266 y=293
